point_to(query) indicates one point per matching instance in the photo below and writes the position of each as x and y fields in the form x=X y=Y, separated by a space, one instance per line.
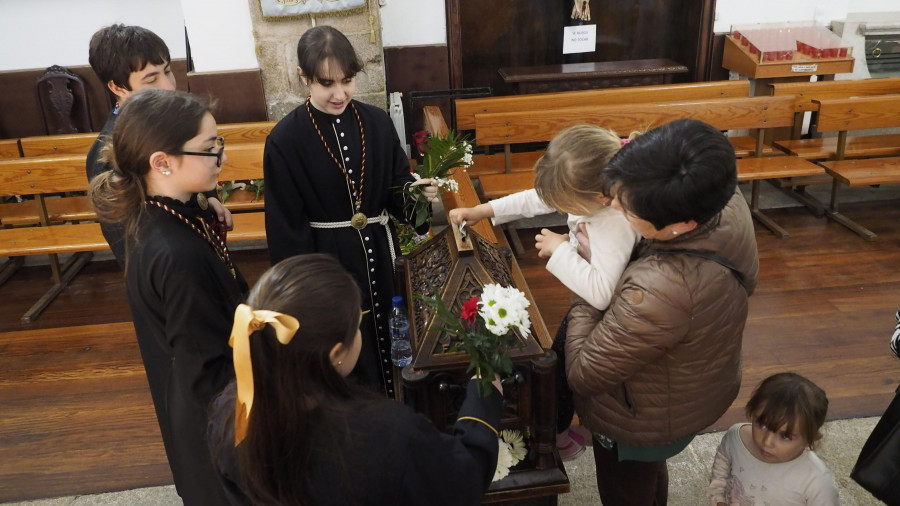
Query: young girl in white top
x=771 y=459
x=568 y=179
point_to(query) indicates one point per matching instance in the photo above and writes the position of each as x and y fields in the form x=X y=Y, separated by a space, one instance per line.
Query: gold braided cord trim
x=479 y=420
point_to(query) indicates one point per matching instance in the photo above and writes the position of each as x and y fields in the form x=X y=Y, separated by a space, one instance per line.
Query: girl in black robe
x=334 y=171
x=293 y=430
x=182 y=287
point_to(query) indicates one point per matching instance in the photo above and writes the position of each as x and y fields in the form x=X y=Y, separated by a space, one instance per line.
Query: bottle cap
x=397 y=301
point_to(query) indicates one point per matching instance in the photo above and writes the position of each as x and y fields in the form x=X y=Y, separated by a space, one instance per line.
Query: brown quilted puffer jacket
x=664 y=361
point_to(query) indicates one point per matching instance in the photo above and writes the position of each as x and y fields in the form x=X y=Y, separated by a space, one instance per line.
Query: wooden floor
x=77 y=417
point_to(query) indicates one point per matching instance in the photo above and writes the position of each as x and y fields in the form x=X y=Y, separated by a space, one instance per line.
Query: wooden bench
x=806 y=97
x=846 y=115
x=754 y=113
x=234 y=133
x=508 y=161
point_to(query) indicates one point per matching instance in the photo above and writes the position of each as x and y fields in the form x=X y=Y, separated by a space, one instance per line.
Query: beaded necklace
x=207 y=234
x=358 y=220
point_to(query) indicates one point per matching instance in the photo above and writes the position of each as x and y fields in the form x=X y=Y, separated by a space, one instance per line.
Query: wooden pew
x=234 y=133
x=754 y=113
x=806 y=96
x=508 y=161
x=846 y=115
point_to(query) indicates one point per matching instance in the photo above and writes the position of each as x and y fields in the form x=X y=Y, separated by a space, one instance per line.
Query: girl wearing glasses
x=181 y=284
x=334 y=169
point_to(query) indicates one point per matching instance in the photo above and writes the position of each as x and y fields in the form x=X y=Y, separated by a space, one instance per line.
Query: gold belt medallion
x=359 y=221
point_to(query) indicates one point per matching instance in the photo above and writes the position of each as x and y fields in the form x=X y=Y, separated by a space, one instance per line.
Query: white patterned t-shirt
x=740 y=479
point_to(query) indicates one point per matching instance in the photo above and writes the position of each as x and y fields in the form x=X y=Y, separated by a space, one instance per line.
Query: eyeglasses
x=220 y=143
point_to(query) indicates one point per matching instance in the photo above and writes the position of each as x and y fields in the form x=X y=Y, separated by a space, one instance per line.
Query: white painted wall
x=37 y=34
x=413 y=22
x=220 y=33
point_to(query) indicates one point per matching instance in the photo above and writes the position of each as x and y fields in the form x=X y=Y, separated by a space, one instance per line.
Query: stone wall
x=276 y=50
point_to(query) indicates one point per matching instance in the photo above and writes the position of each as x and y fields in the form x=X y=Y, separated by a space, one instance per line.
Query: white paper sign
x=579 y=39
x=811 y=67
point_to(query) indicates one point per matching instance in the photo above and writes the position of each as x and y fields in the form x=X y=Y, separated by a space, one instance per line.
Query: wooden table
x=584 y=76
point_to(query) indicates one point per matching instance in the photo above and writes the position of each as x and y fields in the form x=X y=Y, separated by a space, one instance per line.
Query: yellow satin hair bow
x=246 y=321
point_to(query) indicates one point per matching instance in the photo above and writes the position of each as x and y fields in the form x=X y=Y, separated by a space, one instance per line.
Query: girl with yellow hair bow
x=292 y=429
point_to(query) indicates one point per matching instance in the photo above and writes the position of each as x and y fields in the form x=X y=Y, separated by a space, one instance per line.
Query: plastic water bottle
x=401 y=352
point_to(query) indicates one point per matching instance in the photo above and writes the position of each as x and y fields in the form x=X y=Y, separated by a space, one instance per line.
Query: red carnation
x=470 y=310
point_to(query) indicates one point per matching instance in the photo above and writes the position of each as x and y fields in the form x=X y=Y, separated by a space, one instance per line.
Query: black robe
x=182 y=298
x=304 y=184
x=112 y=232
x=384 y=454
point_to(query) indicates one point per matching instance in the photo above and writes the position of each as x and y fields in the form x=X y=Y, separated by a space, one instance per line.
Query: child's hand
x=471 y=215
x=430 y=192
x=546 y=242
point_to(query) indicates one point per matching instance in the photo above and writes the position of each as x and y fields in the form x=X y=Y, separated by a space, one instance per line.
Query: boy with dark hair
x=129 y=59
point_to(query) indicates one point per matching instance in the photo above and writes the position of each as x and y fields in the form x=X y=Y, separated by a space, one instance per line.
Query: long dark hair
x=151 y=120
x=297 y=390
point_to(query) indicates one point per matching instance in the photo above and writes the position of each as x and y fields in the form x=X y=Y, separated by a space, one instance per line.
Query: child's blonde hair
x=789 y=399
x=569 y=175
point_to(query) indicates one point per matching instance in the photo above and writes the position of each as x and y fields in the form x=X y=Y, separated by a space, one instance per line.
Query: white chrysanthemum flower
x=504 y=461
x=504 y=308
x=516 y=445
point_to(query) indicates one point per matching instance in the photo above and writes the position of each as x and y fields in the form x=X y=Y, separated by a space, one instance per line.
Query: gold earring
x=340 y=362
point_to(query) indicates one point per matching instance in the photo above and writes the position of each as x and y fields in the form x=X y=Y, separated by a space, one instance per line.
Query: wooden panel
x=21 y=117
x=58 y=210
x=55 y=239
x=71 y=144
x=467 y=108
x=745 y=145
x=487 y=35
x=775 y=167
x=9 y=148
x=243 y=161
x=245 y=132
x=234 y=133
x=248 y=227
x=869 y=171
x=496 y=163
x=238 y=94
x=806 y=92
x=858 y=113
x=501 y=185
x=43 y=174
x=826 y=147
x=724 y=114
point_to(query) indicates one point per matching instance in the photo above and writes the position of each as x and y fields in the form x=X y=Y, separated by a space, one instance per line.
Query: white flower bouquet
x=484 y=329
